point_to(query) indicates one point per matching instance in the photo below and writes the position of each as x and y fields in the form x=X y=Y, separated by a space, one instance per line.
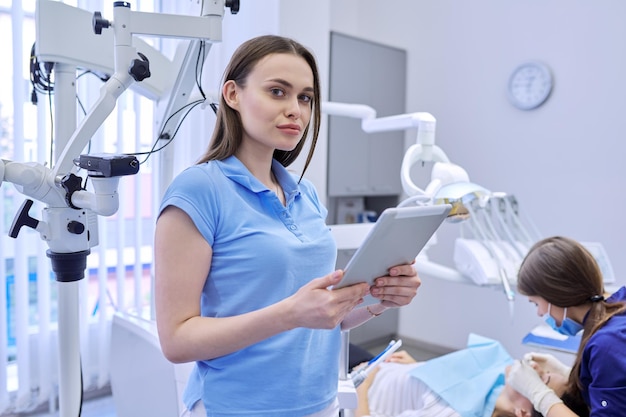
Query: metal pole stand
x=346 y=394
x=69 y=269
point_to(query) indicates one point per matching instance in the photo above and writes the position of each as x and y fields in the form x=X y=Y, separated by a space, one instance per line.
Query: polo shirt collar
x=234 y=169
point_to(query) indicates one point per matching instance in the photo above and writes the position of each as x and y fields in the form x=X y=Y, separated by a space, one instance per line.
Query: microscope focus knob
x=75 y=228
x=98 y=23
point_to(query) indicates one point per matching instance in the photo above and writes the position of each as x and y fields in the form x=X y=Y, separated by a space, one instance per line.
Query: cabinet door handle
x=382 y=188
x=361 y=188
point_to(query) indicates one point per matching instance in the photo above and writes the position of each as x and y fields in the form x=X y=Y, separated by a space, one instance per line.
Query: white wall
x=562 y=161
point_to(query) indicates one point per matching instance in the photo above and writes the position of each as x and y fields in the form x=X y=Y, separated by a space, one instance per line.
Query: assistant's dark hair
x=564 y=273
x=228 y=132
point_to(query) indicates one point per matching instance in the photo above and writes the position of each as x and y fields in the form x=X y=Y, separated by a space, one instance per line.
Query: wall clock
x=530 y=85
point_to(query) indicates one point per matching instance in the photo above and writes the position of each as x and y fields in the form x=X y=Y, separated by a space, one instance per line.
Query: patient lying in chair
x=469 y=382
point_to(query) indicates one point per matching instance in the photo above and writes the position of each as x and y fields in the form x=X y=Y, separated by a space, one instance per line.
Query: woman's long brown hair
x=228 y=132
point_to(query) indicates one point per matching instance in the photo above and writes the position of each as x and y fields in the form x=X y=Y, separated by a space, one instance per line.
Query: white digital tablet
x=397 y=238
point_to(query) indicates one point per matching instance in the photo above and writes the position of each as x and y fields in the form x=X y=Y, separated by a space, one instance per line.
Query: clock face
x=530 y=85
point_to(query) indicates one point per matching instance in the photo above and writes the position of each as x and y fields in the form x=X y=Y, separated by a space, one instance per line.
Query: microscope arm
x=126 y=23
x=106 y=103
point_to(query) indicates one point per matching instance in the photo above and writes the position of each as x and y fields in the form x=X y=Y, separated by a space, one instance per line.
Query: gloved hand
x=525 y=380
x=544 y=362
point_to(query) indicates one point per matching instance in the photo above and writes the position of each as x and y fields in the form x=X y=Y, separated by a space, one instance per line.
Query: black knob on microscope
x=233 y=5
x=140 y=68
x=98 y=23
x=71 y=183
x=75 y=228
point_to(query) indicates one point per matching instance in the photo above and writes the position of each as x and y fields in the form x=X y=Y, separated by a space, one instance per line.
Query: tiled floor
x=96 y=407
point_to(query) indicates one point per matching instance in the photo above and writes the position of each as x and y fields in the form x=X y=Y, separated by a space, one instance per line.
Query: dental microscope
x=68 y=222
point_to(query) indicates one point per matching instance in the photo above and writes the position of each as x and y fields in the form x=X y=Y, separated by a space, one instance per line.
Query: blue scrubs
x=603 y=366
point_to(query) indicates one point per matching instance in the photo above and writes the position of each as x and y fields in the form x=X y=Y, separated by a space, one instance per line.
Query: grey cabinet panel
x=364 y=72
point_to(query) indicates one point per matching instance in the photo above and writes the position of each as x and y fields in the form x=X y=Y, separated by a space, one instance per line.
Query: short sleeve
x=193 y=192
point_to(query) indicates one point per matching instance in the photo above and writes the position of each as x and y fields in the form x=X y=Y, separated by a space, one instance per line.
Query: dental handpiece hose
x=359 y=376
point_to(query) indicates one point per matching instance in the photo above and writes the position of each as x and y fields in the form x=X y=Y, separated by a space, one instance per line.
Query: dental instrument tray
x=398 y=236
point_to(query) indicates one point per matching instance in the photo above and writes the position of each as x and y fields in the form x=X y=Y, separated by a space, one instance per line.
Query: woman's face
x=540 y=303
x=543 y=308
x=275 y=102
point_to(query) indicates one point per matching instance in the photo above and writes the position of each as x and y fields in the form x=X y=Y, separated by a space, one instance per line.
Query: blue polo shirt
x=263 y=252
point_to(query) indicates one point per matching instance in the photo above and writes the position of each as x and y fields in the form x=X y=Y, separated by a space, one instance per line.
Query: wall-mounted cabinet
x=365 y=72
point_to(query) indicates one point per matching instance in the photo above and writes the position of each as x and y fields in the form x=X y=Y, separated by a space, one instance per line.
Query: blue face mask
x=568 y=326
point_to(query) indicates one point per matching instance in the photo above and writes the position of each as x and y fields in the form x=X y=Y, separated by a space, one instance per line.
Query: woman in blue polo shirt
x=244 y=259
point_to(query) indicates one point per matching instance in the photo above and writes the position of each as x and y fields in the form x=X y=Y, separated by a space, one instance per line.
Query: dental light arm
x=424 y=150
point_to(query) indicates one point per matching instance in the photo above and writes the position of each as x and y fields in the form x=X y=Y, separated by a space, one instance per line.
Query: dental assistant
x=563 y=280
x=244 y=259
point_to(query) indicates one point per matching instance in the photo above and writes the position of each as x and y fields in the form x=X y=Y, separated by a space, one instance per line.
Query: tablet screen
x=398 y=236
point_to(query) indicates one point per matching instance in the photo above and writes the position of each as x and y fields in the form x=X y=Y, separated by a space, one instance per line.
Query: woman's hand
x=398 y=288
x=545 y=362
x=525 y=380
x=552 y=371
x=394 y=290
x=316 y=307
